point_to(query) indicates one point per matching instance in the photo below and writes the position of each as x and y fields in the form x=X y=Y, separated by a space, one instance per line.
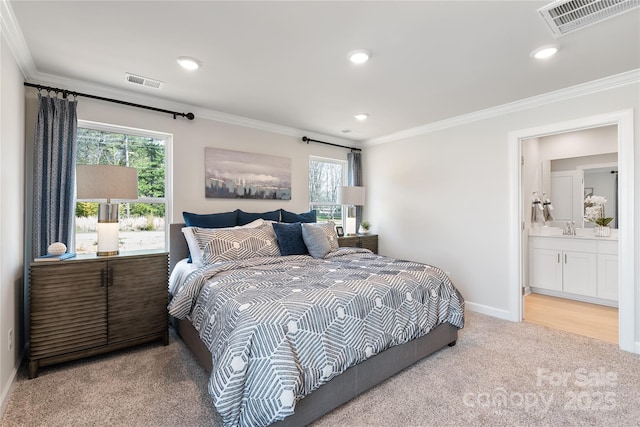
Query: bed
x=299 y=385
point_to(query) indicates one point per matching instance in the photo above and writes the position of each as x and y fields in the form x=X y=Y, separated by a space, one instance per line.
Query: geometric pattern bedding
x=280 y=327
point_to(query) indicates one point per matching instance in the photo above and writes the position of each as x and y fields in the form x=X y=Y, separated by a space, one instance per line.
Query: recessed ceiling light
x=361 y=116
x=359 y=56
x=189 y=63
x=545 y=51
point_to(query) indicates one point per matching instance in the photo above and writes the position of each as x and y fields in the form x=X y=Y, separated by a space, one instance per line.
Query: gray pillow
x=316 y=240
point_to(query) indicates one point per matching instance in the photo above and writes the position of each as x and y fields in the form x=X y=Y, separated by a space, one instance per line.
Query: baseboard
x=581 y=298
x=491 y=311
x=8 y=387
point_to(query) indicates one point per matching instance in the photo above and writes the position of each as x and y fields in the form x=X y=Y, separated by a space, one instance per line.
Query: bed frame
x=340 y=389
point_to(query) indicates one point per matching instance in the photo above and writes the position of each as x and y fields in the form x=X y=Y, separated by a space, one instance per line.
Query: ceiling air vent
x=143 y=81
x=565 y=16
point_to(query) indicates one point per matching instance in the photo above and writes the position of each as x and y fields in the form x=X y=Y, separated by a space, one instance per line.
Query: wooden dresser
x=90 y=305
x=367 y=241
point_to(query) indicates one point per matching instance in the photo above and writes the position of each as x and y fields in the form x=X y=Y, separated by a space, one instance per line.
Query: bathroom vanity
x=582 y=267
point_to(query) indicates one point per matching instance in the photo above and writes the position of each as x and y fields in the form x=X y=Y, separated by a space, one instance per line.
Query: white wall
x=580 y=162
x=443 y=197
x=586 y=142
x=11 y=217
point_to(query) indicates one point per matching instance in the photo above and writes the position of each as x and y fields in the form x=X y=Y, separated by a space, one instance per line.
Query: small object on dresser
x=364 y=227
x=57 y=248
x=340 y=231
x=51 y=257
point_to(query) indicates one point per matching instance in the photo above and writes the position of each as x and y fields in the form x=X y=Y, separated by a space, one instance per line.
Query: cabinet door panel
x=547 y=270
x=137 y=297
x=579 y=273
x=567 y=196
x=608 y=277
x=68 y=308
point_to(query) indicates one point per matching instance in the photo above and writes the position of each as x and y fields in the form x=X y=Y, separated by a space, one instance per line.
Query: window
x=143 y=223
x=325 y=176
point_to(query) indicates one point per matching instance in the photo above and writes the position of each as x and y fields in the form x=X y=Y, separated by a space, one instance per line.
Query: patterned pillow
x=329 y=229
x=196 y=251
x=236 y=244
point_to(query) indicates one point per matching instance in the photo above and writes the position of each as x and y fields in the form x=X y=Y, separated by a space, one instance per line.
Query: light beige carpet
x=499 y=374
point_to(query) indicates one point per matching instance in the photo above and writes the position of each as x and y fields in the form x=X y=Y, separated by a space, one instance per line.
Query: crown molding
x=74 y=85
x=269 y=127
x=606 y=83
x=15 y=40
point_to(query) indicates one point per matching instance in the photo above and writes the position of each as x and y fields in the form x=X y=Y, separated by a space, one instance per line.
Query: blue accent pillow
x=290 y=239
x=215 y=220
x=247 y=217
x=302 y=217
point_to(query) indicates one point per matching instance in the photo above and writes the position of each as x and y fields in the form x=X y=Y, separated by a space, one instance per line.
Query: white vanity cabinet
x=608 y=270
x=577 y=268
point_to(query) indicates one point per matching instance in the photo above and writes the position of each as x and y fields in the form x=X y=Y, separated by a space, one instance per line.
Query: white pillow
x=197 y=251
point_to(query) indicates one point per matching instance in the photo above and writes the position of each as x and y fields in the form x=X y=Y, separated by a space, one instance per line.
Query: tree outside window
x=325 y=176
x=142 y=223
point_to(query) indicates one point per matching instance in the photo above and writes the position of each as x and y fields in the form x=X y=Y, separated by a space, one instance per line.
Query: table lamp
x=351 y=196
x=107 y=182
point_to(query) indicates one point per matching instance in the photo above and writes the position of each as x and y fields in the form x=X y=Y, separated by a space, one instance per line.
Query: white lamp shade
x=352 y=196
x=106 y=182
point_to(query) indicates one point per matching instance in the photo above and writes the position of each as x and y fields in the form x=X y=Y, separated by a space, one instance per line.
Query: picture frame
x=588 y=191
x=340 y=231
x=231 y=174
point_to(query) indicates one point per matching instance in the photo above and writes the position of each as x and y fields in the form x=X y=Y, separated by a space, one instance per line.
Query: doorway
x=564 y=168
x=626 y=277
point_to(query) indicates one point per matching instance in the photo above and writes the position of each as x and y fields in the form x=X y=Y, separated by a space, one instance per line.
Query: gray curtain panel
x=354 y=160
x=54 y=163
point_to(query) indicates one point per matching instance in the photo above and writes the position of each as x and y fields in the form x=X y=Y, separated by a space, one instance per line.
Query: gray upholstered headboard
x=178 y=248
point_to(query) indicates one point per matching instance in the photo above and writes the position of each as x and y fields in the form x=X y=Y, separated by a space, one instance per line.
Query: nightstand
x=367 y=241
x=89 y=305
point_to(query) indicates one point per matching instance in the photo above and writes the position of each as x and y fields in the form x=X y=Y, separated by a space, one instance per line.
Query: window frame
x=345 y=173
x=167 y=200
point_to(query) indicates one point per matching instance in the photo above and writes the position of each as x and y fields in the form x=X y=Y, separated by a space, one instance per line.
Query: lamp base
x=112 y=253
x=108 y=240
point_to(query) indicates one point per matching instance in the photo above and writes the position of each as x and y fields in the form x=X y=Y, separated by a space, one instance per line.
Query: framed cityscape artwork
x=233 y=174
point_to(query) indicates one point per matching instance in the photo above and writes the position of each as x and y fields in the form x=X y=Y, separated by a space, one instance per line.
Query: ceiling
x=285 y=63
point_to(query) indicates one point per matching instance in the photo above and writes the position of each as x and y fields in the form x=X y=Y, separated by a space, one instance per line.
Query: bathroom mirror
x=562 y=166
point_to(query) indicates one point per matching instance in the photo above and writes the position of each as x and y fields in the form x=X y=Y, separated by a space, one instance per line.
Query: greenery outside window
x=325 y=176
x=143 y=223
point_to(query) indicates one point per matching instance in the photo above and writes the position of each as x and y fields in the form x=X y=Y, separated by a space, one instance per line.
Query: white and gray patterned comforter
x=280 y=327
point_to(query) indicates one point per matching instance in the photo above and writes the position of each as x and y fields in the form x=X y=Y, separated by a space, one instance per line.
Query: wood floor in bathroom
x=592 y=320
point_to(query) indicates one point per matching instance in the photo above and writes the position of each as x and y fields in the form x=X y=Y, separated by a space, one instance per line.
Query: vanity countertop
x=581 y=233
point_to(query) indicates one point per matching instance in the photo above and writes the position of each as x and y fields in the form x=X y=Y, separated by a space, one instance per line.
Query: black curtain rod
x=308 y=140
x=66 y=93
